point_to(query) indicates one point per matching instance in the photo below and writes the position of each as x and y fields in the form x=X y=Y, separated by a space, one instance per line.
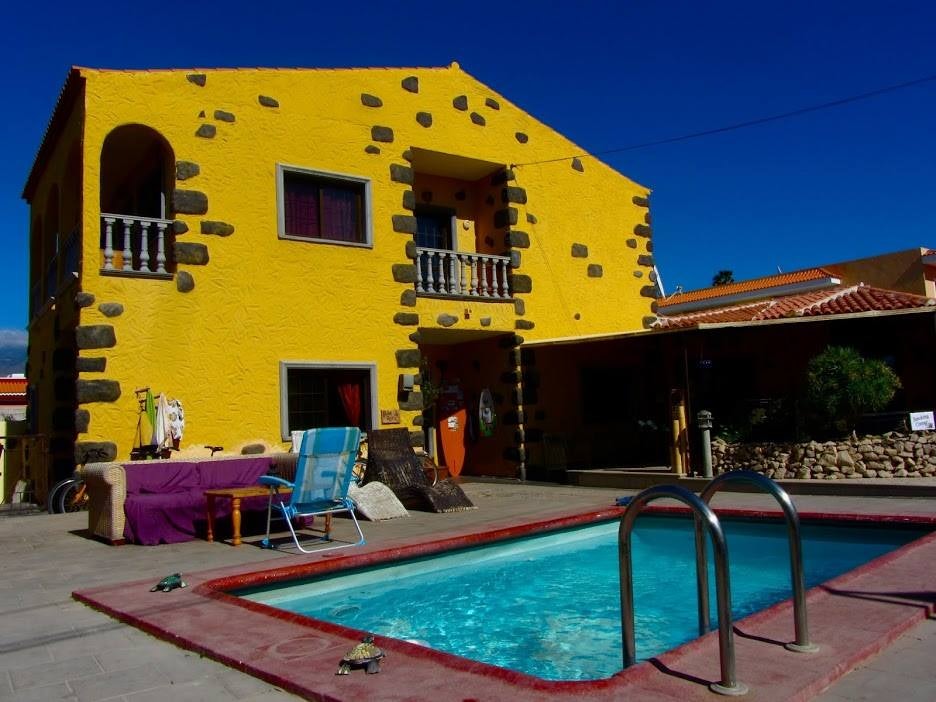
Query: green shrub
x=841 y=385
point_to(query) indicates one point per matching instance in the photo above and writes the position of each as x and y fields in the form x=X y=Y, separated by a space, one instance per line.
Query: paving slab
x=52 y=557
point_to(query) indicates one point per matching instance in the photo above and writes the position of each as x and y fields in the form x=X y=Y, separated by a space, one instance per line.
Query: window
x=325 y=395
x=434 y=227
x=323 y=206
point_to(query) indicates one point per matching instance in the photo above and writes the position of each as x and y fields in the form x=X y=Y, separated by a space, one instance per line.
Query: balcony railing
x=458 y=274
x=140 y=245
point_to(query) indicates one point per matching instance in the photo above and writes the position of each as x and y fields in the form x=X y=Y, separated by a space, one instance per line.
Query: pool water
x=549 y=605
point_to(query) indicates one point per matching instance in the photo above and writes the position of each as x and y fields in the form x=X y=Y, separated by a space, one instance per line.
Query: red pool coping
x=852 y=617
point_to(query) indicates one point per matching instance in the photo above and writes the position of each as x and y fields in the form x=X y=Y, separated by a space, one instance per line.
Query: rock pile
x=892 y=455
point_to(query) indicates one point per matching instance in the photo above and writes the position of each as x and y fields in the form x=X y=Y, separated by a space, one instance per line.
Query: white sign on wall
x=922 y=420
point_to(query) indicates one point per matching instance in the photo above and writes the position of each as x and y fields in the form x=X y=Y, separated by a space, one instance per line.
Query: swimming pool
x=549 y=605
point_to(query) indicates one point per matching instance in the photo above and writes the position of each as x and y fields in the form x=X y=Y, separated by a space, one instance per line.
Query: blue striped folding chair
x=323 y=476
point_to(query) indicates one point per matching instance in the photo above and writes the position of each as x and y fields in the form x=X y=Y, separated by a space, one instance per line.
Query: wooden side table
x=235 y=495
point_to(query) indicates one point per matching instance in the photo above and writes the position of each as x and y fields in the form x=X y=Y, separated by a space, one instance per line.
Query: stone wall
x=892 y=455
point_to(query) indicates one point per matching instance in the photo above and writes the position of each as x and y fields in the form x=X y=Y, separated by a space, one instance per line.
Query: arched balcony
x=136 y=226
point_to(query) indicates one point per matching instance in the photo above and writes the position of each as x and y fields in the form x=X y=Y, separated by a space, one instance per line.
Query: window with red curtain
x=327 y=397
x=317 y=207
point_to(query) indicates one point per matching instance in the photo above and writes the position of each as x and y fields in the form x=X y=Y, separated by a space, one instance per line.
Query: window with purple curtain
x=301 y=202
x=321 y=208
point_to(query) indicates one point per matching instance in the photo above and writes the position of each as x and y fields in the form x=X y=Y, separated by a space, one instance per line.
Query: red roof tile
x=837 y=300
x=13 y=385
x=747 y=286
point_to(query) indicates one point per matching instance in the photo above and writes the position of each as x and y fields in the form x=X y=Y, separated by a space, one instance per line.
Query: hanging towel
x=162 y=434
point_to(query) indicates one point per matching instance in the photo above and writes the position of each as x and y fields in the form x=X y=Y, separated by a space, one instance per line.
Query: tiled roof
x=13 y=385
x=747 y=286
x=838 y=300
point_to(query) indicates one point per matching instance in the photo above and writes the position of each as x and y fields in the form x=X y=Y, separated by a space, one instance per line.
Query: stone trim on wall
x=216 y=228
x=97 y=391
x=95 y=336
x=192 y=202
x=643 y=230
x=184 y=282
x=111 y=309
x=401 y=174
x=186 y=170
x=406 y=319
x=382 y=134
x=190 y=253
x=90 y=364
x=82 y=421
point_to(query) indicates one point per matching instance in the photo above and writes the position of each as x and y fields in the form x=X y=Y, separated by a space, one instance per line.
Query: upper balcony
x=134 y=245
x=444 y=273
x=136 y=231
x=461 y=251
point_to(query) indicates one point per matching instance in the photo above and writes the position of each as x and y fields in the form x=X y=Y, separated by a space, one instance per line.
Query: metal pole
x=702 y=593
x=727 y=685
x=801 y=644
x=704 y=420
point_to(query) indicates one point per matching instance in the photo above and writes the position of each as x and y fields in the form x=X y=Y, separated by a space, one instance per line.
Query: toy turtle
x=365 y=655
x=170 y=582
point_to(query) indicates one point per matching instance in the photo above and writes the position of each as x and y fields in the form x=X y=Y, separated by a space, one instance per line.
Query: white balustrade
x=460 y=274
x=139 y=248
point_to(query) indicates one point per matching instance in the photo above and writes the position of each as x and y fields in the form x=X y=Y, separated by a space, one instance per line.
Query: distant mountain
x=12 y=351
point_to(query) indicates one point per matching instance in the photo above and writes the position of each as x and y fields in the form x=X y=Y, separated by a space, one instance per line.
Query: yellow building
x=280 y=249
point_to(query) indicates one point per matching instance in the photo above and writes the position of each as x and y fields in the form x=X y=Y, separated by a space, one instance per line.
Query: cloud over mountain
x=13 y=351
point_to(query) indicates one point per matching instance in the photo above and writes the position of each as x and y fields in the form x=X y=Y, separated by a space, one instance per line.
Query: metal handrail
x=802 y=643
x=727 y=685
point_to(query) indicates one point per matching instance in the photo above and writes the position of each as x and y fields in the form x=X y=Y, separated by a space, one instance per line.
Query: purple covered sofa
x=163 y=501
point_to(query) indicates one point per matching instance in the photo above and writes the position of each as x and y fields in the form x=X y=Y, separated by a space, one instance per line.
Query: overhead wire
x=742 y=125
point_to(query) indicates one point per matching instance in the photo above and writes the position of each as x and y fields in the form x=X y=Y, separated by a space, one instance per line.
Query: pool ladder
x=705 y=519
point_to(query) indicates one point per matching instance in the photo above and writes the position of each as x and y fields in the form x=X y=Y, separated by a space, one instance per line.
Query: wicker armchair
x=107 y=490
x=392 y=461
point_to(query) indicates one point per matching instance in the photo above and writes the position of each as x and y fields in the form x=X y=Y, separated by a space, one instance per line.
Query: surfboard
x=486 y=416
x=453 y=418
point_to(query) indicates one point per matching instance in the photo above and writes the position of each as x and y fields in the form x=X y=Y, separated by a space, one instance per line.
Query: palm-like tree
x=723 y=277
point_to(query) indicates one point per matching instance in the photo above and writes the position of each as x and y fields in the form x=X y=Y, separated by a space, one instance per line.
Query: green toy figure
x=170 y=582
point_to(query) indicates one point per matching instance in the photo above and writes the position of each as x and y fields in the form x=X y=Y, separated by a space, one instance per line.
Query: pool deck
x=51 y=647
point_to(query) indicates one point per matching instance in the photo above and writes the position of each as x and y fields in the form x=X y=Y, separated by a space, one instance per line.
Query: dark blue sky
x=832 y=185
